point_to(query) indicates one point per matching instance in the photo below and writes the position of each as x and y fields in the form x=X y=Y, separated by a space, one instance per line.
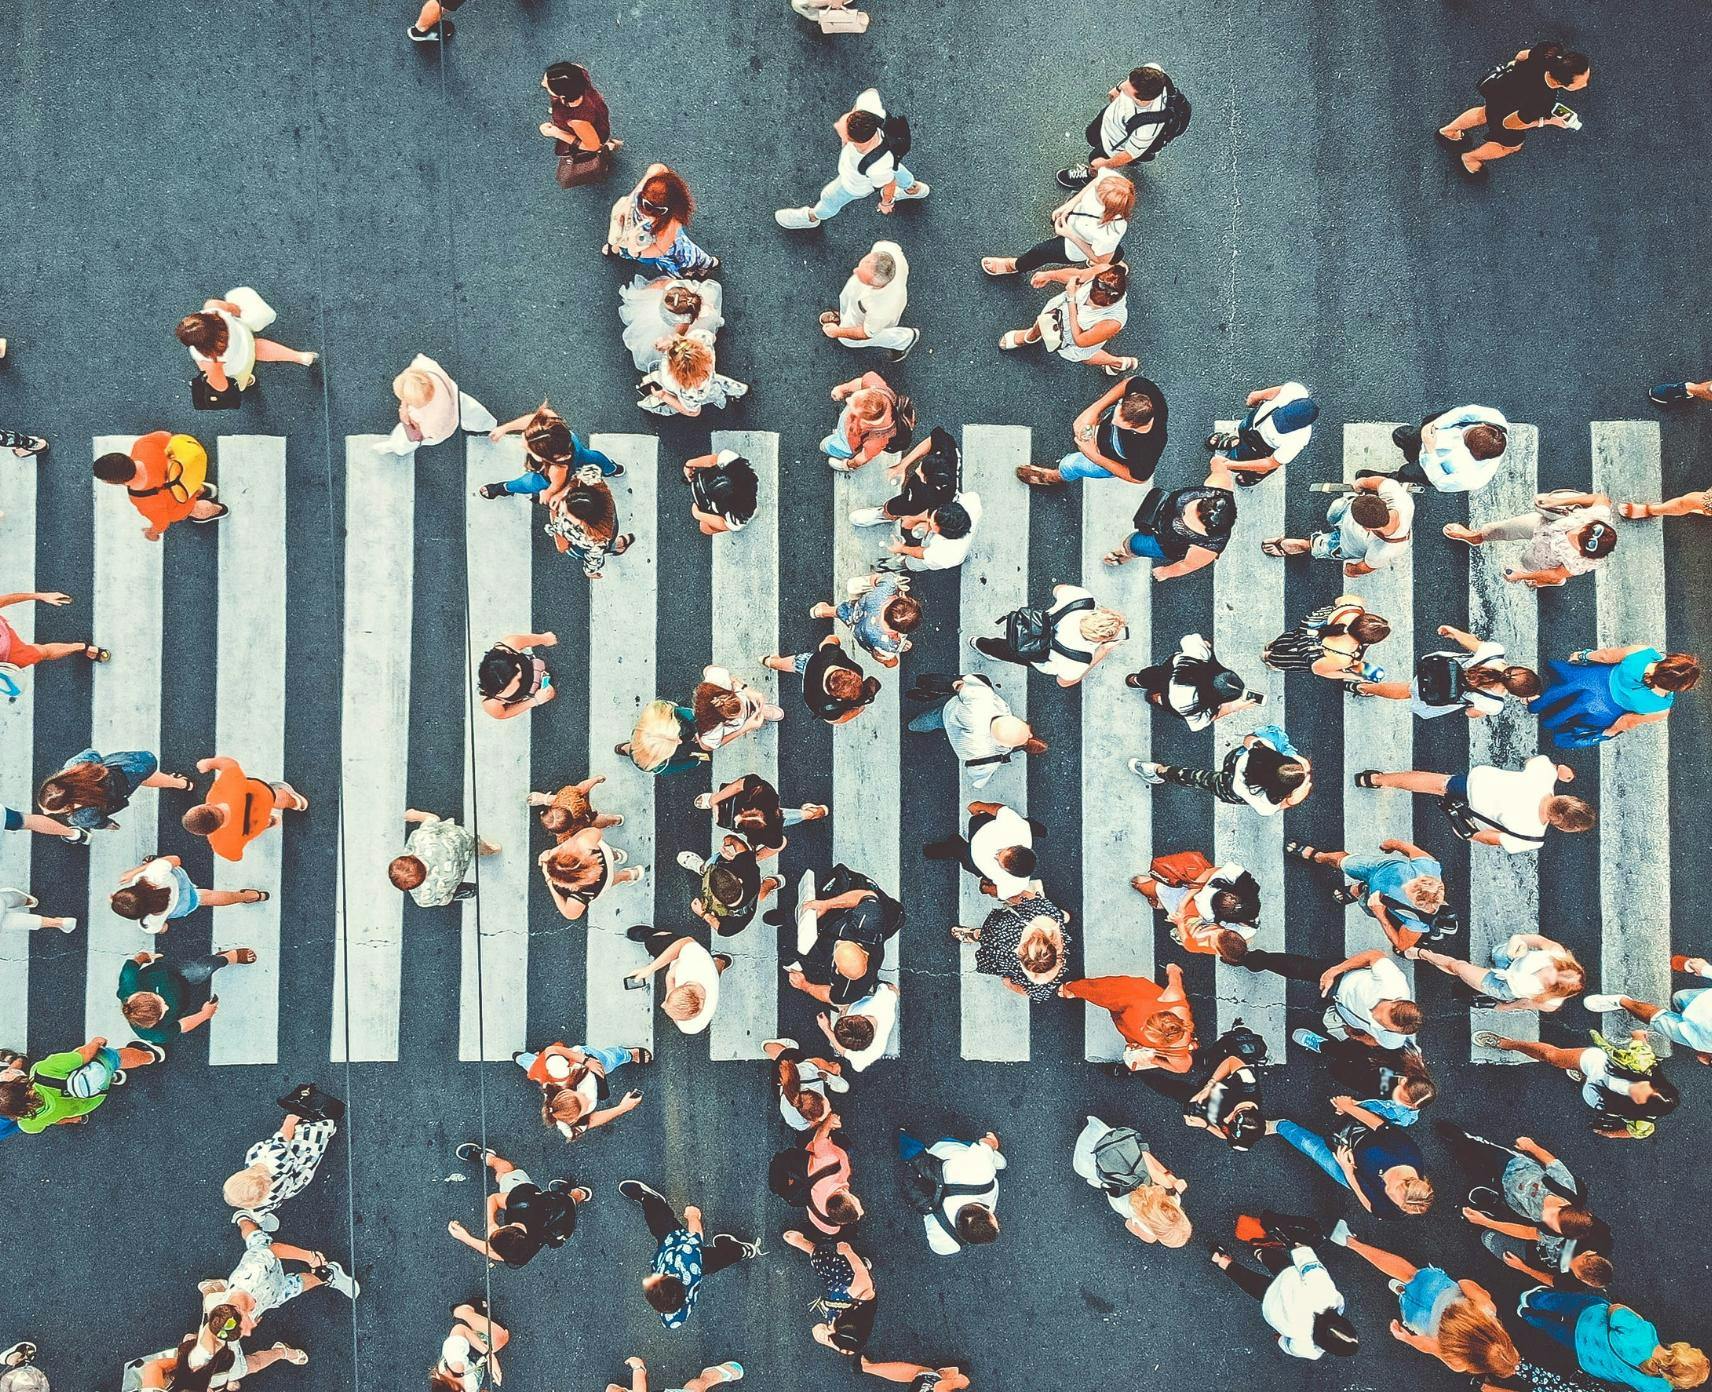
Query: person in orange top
x=238 y=808
x=1154 y=1020
x=167 y=478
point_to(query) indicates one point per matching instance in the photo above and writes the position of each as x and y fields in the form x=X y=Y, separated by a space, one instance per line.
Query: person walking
x=1474 y=681
x=650 y=226
x=662 y=741
x=1082 y=318
x=1139 y=1189
x=63 y=1088
x=1220 y=1092
x=803 y=1083
x=1088 y=230
x=1155 y=1021
x=1209 y=908
x=954 y=1185
x=552 y=453
x=1568 y=534
x=1454 y=451
x=261 y=1275
x=880 y=613
x=871 y=305
x=581 y=868
x=152 y=992
x=1142 y=115
x=997 y=848
x=1182 y=530
x=815 y=1176
x=656 y=313
x=1373 y=1159
x=1621 y=1084
x=1391 y=1084
x=238 y=808
x=225 y=343
x=436 y=857
x=1507 y=808
x=158 y=891
x=574 y=1080
x=522 y=1217
x=1331 y=642
x=1515 y=97
x=431 y=409
x=1665 y=395
x=91 y=787
x=977 y=722
x=875 y=420
x=849 y=1303
x=921 y=1377
x=937 y=540
x=1597 y=694
x=684 y=1258
x=1023 y=942
x=1065 y=639
x=1194 y=685
x=15 y=905
x=1402 y=889
x=1688 y=1019
x=469 y=1356
x=834 y=687
x=872 y=146
x=1265 y=771
x=704 y=1381
x=1368 y=528
x=1367 y=996
x=928 y=477
x=166 y=478
x=1121 y=435
x=512 y=678
x=727 y=708
x=572 y=809
x=691 y=993
x=1298 y=1299
x=1613 y=1342
x=579 y=125
x=842 y=932
x=1276 y=428
x=686 y=381
x=750 y=807
x=732 y=889
x=860 y=1031
x=281 y=1166
x=1528 y=972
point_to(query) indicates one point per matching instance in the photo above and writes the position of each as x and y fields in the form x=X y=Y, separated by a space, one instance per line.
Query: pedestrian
x=11 y=819
x=750 y=807
x=1402 y=889
x=1392 y=1084
x=729 y=1371
x=261 y=1275
x=1265 y=771
x=436 y=857
x=1186 y=529
x=939 y=539
x=63 y=1088
x=842 y=932
x=1298 y=1299
x=881 y=613
x=686 y=381
x=1142 y=115
x=1140 y=1190
x=1023 y=942
x=724 y=491
x=211 y=1358
x=431 y=409
x=1688 y=1019
x=281 y=1166
x=732 y=889
x=814 y=1176
x=1220 y=1092
x=1568 y=534
x=1373 y=1159
x=1087 y=230
x=1368 y=998
x=663 y=740
x=1064 y=639
x=1694 y=504
x=579 y=125
x=1474 y=681
x=1528 y=972
x=1368 y=529
x=512 y=678
x=1599 y=693
x=834 y=688
x=872 y=146
x=166 y=478
x=1194 y=685
x=152 y=992
x=581 y=868
x=1515 y=97
x=1121 y=435
x=692 y=976
x=91 y=787
x=657 y=312
x=1559 y=1235
x=1454 y=451
x=860 y=1031
x=921 y=1377
x=1665 y=394
x=1331 y=642
x=1276 y=428
x=727 y=708
x=1613 y=1342
x=552 y=453
x=431 y=25
x=15 y=916
x=1208 y=908
x=1508 y=808
x=574 y=1081
x=997 y=848
x=954 y=1185
x=18 y=1370
x=1155 y=1021
x=572 y=809
x=1454 y=1321
x=928 y=477
x=238 y=808
x=1081 y=319
x=876 y=420
x=871 y=305
x=803 y=1083
x=224 y=339
x=1621 y=1083
x=684 y=1259
x=22 y=444
x=158 y=891
x=650 y=226
x=469 y=1356
x=977 y=722
x=848 y=1304
x=522 y=1217
x=584 y=523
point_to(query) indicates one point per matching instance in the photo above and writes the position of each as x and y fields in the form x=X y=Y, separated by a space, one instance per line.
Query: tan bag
x=844 y=20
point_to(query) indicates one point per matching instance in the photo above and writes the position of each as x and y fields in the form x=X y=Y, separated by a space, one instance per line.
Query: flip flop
x=95 y=654
x=244 y=961
x=1486 y=1039
x=644 y=1055
x=1456 y=144
x=1272 y=546
x=991 y=265
x=262 y=896
x=212 y=517
x=1299 y=849
x=1365 y=779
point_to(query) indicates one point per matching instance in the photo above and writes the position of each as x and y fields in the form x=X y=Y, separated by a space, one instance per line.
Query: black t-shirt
x=546 y=1218
x=822 y=704
x=736 y=917
x=1162 y=519
x=755 y=794
x=933 y=479
x=1137 y=450
x=1524 y=91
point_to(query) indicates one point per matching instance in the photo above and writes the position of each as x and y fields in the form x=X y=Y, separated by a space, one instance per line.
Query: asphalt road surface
x=390 y=199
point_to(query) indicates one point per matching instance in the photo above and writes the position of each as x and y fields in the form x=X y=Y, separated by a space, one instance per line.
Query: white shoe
x=704 y=801
x=917 y=191
x=691 y=862
x=796 y=219
x=1147 y=770
x=342 y=1281
x=784 y=1043
x=1601 y=1004
x=868 y=517
x=68 y=926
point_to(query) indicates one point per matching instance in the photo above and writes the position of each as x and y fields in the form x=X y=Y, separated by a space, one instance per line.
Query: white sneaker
x=918 y=190
x=1147 y=770
x=868 y=517
x=691 y=862
x=342 y=1281
x=1340 y=1233
x=796 y=219
x=1601 y=1004
x=68 y=926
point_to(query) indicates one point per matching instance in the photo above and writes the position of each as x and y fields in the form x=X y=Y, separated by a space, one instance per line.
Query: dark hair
x=1218 y=513
x=953 y=521
x=1136 y=407
x=725 y=885
x=1598 y=539
x=1148 y=81
x=499 y=667
x=204 y=332
x=1369 y=510
x=1230 y=946
x=1406 y=1016
x=512 y=1244
x=18 y=1098
x=976 y=1224
x=862 y=125
x=1244 y=1128
x=137 y=901
x=1517 y=680
x=1335 y=1334
x=568 y=80
x=1113 y=280
x=1575 y=1221
x=1675 y=672
x=668 y=190
x=203 y=820
x=903 y=613
x=1367 y=629
x=1571 y=814
x=1484 y=441
x=549 y=440
x=1017 y=860
x=854 y=1032
x=713 y=706
x=1277 y=775
x=1568 y=65
x=115 y=468
x=80 y=785
x=1238 y=900
x=843 y=1208
x=666 y=1294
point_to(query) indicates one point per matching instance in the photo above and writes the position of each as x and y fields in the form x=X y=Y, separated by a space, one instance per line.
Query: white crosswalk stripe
x=17 y=748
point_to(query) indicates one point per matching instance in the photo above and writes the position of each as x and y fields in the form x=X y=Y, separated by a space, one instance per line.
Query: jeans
x=837 y=446
x=1673 y=1027
x=610 y=1059
x=1077 y=465
x=1556 y=1313
x=1141 y=544
x=930 y=719
x=531 y=483
x=792 y=816
x=835 y=198
x=1315 y=1147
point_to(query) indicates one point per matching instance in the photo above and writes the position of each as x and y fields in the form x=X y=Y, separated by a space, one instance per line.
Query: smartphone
x=1568 y=117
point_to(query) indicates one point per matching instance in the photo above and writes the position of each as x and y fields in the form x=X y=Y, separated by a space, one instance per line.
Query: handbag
x=582 y=167
x=843 y=20
x=204 y=397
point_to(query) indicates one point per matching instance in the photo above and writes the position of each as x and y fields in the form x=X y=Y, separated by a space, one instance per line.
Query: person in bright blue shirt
x=1613 y=1342
x=1598 y=693
x=1402 y=889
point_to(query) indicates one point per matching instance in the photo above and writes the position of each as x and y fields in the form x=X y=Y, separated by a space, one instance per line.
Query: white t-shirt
x=158 y=874
x=1286 y=444
x=1357 y=543
x=1297 y=1294
x=880 y=170
x=947 y=553
x=1007 y=828
x=457 y=1349
x=1512 y=798
x=1355 y=993
x=881 y=1006
x=964 y=1163
x=1486 y=702
x=1068 y=631
x=1083 y=220
x=695 y=967
x=1116 y=117
x=1598 y=1080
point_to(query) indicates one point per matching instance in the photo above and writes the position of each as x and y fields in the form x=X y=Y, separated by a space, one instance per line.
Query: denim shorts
x=1077 y=465
x=1457 y=787
x=1423 y=1300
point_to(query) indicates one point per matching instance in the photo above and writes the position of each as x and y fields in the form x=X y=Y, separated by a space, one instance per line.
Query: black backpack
x=894 y=141
x=1029 y=632
x=1441 y=679
x=729 y=489
x=1172 y=120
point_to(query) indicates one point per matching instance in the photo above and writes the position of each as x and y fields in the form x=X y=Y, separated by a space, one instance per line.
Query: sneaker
x=470 y=1151
x=975 y=643
x=68 y=926
x=915 y=193
x=443 y=30
x=1147 y=770
x=750 y=1250
x=1340 y=1233
x=339 y=1279
x=617 y=471
x=154 y=1051
x=1075 y=177
x=639 y=933
x=899 y=354
x=78 y=836
x=120 y=1078
x=1307 y=1039
x=21 y=1353
x=1668 y=394
x=519 y=1056
x=636 y=1190
x=691 y=862
x=868 y=517
x=796 y=219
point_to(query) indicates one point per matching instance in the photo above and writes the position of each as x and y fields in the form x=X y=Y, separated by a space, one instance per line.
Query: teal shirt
x=161 y=979
x=1612 y=1341
x=1628 y=689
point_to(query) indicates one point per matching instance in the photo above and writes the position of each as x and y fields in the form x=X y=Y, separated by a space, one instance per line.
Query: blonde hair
x=1474 y=1338
x=413 y=387
x=1040 y=950
x=564 y=1104
x=684 y=1002
x=1426 y=892
x=690 y=361
x=1103 y=625
x=247 y=1188
x=656 y=736
x=1117 y=197
x=1680 y=1364
x=1417 y=1195
x=1158 y=1211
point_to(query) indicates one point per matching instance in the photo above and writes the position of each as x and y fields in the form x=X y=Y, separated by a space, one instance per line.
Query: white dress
x=641 y=307
x=717 y=392
x=239 y=359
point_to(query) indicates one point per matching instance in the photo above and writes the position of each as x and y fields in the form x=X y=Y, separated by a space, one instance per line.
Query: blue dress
x=1580 y=703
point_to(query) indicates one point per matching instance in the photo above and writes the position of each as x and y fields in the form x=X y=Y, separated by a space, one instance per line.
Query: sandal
x=1300 y=849
x=1016 y=338
x=1121 y=367
x=186 y=783
x=1118 y=557
x=261 y=896
x=641 y=1053
x=1222 y=440
x=1635 y=512
x=1486 y=1039
x=965 y=935
x=34 y=447
x=1455 y=531
x=246 y=957
x=1037 y=477
x=1454 y=143
x=1367 y=778
x=1272 y=546
x=995 y=265
x=620 y=546
x=222 y=511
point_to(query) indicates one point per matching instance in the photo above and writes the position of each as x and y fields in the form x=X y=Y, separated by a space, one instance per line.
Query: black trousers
x=1355 y=1066
x=1483 y=1161
x=725 y=1250
x=1275 y=1258
x=1297 y=966
x=1054 y=251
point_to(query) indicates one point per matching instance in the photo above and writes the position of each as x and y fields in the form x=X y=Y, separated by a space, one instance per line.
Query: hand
x=637 y=976
x=544 y=695
x=895 y=547
x=1040 y=280
x=1513 y=1260
x=1327 y=978
x=796 y=979
x=548 y=128
x=496 y=435
x=1474 y=1215
x=1445 y=630
x=546 y=640
x=1390 y=843
x=53 y=597
x=99 y=1042
x=631 y=1100
x=1565 y=774
x=1343 y=1103
x=886 y=207
x=1698 y=966
x=635 y=1364
x=1398 y=1331
x=212 y=1009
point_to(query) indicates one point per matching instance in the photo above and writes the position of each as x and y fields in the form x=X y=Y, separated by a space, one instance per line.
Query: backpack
x=925 y=1191
x=1120 y=1160
x=1030 y=632
x=730 y=489
x=1441 y=680
x=1172 y=120
x=894 y=141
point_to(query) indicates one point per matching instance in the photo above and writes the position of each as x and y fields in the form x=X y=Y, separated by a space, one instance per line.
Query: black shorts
x=1499 y=133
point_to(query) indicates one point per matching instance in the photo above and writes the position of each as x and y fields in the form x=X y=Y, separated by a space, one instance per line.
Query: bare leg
x=1474 y=116
x=1102 y=358
x=500 y=1167
x=894 y=1372
x=1565 y=1059
x=1388 y=1262
x=160 y=779
x=1488 y=152
x=225 y=898
x=1641 y=1010
x=134 y=1058
x=1681 y=506
x=1390 y=691
x=486 y=847
x=269 y=351
x=1415 y=781
x=1466 y=972
x=429 y=15
x=608 y=819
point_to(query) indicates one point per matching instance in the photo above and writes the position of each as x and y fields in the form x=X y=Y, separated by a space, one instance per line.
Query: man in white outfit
x=872 y=303
x=870 y=160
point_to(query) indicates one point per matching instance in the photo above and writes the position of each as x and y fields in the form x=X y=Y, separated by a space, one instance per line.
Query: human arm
x=821 y=993
x=667 y=956
x=1404 y=848
x=626 y=1104
x=692 y=1219
x=1349 y=964
x=1224 y=1070
x=412 y=814
x=1525 y=1232
x=1557 y=575
x=1195 y=559
x=462 y=1234
x=1349 y=1107
x=579 y=133
x=1467 y=641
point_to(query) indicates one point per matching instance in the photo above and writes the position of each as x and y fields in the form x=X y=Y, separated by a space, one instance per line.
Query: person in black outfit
x=1517 y=97
x=750 y=807
x=1194 y=684
x=521 y=1217
x=1184 y=529
x=834 y=688
x=1120 y=436
x=731 y=886
x=1220 y=1092
x=841 y=937
x=929 y=477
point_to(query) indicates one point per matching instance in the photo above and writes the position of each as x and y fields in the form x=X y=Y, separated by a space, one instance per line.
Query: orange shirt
x=249 y=806
x=149 y=492
x=1133 y=1001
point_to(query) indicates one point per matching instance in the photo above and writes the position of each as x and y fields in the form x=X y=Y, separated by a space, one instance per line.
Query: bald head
x=1011 y=731
x=850 y=959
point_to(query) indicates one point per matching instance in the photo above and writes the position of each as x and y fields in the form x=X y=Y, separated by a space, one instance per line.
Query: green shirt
x=164 y=982
x=56 y=1106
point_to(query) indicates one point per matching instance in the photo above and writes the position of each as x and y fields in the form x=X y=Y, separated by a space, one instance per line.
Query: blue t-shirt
x=679 y=1254
x=1630 y=692
x=1375 y=1153
x=1612 y=1341
x=1387 y=875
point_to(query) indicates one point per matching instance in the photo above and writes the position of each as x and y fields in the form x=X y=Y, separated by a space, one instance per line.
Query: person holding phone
x=1517 y=97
